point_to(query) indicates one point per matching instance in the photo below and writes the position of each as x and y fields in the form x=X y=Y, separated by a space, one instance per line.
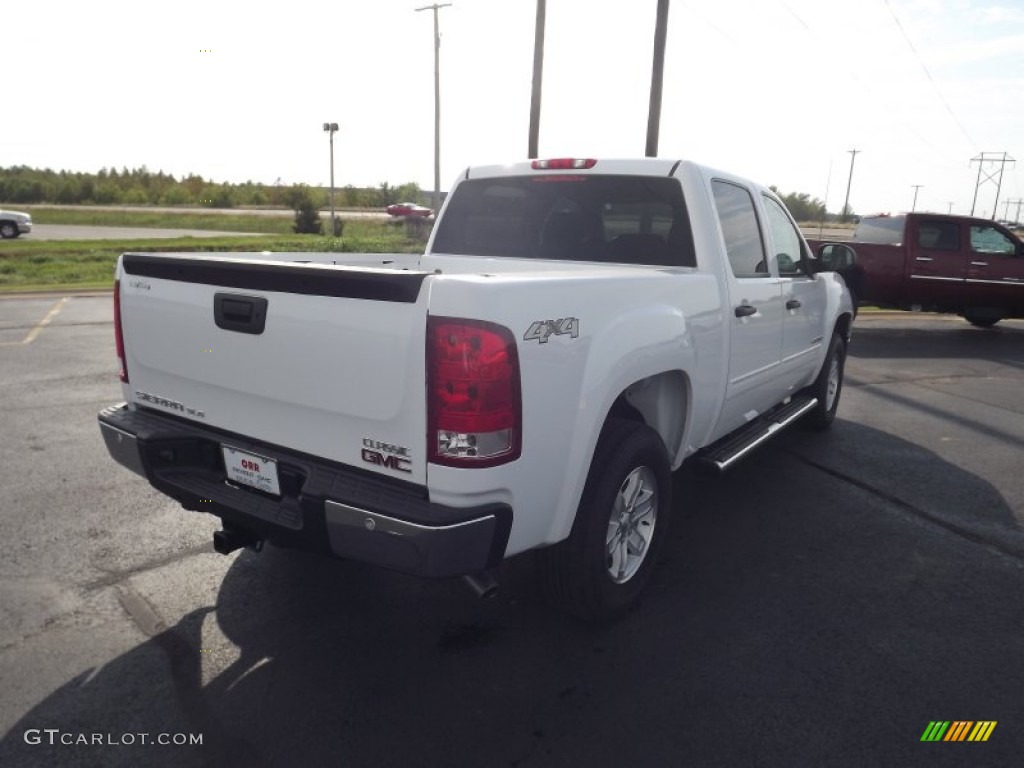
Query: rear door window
x=938 y=235
x=789 y=249
x=570 y=217
x=742 y=234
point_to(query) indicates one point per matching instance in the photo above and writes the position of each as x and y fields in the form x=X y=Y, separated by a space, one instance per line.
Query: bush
x=307 y=215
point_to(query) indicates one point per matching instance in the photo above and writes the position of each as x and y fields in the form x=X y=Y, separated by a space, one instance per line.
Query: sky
x=778 y=91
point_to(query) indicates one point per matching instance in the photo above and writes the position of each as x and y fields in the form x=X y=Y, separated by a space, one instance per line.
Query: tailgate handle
x=244 y=314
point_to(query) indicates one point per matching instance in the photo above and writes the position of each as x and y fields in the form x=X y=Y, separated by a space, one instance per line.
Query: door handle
x=792 y=304
x=745 y=310
x=979 y=263
x=923 y=258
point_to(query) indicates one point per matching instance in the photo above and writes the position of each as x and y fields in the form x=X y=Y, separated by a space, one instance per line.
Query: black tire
x=981 y=321
x=577 y=572
x=828 y=386
x=8 y=230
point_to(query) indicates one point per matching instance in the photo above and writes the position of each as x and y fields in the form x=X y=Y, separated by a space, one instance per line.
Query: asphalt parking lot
x=819 y=605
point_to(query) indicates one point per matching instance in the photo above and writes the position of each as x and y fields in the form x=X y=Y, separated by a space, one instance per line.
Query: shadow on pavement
x=795 y=620
x=894 y=338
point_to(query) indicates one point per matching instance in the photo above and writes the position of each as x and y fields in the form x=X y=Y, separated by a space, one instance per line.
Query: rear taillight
x=474 y=411
x=118 y=335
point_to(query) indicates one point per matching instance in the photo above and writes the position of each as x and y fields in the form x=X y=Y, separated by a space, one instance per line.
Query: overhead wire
x=888 y=109
x=928 y=74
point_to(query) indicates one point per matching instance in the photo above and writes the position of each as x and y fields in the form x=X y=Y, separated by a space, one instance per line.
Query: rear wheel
x=981 y=321
x=828 y=386
x=599 y=572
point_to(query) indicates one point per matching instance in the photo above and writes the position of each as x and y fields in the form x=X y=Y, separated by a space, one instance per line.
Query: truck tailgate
x=323 y=359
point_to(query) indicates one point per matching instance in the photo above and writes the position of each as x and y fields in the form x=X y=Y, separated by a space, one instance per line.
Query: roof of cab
x=642 y=166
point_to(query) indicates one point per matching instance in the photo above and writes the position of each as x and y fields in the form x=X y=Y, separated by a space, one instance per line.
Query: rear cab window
x=883 y=230
x=569 y=217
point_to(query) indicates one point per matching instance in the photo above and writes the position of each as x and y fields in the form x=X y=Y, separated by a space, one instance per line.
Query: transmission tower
x=998 y=158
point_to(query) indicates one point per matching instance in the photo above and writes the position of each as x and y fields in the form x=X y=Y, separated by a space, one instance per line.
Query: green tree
x=307 y=214
x=801 y=205
x=176 y=195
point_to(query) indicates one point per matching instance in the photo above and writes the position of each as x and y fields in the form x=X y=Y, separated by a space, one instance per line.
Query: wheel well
x=843 y=325
x=661 y=402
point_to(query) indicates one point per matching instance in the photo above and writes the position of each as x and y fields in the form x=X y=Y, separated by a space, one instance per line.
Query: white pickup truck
x=575 y=330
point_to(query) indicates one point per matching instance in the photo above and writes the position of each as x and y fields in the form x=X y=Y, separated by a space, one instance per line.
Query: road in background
x=77 y=232
x=818 y=605
x=357 y=213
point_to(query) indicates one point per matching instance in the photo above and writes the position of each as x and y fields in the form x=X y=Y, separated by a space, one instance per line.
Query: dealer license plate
x=249 y=469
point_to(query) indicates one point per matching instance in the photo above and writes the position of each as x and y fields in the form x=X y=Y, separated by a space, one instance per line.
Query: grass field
x=27 y=265
x=230 y=222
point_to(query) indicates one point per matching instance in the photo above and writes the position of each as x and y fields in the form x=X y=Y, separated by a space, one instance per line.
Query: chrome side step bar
x=731 y=448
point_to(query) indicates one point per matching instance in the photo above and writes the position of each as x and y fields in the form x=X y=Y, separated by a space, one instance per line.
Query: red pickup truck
x=927 y=261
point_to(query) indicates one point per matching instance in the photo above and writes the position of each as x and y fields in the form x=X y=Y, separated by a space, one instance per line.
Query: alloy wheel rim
x=833 y=383
x=631 y=525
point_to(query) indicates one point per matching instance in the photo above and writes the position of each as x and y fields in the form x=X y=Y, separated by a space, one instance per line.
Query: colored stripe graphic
x=958 y=730
x=982 y=730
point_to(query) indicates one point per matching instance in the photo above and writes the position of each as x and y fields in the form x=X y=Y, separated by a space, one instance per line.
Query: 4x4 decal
x=542 y=330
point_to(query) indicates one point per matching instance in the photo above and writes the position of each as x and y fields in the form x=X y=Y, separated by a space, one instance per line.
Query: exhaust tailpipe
x=483 y=584
x=227 y=541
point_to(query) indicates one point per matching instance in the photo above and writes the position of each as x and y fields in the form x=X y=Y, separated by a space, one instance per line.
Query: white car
x=14 y=223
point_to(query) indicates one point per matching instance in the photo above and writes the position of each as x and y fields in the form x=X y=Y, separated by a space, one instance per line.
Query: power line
x=888 y=109
x=928 y=74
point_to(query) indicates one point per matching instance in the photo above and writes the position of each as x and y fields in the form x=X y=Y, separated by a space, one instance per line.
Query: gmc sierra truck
x=937 y=262
x=575 y=330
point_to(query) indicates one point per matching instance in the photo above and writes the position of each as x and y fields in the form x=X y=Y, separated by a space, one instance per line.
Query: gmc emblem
x=388 y=462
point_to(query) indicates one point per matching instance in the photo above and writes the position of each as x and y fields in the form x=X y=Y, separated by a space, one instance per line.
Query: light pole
x=330 y=128
x=916 y=187
x=437 y=103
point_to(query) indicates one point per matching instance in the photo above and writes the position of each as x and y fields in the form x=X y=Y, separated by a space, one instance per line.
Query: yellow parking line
x=54 y=311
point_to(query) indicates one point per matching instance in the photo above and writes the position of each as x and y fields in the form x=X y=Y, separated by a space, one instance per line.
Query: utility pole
x=1016 y=218
x=538 y=77
x=950 y=208
x=844 y=214
x=996 y=175
x=437 y=102
x=916 y=188
x=657 y=78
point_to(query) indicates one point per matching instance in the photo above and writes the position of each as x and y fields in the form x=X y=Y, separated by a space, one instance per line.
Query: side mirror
x=834 y=257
